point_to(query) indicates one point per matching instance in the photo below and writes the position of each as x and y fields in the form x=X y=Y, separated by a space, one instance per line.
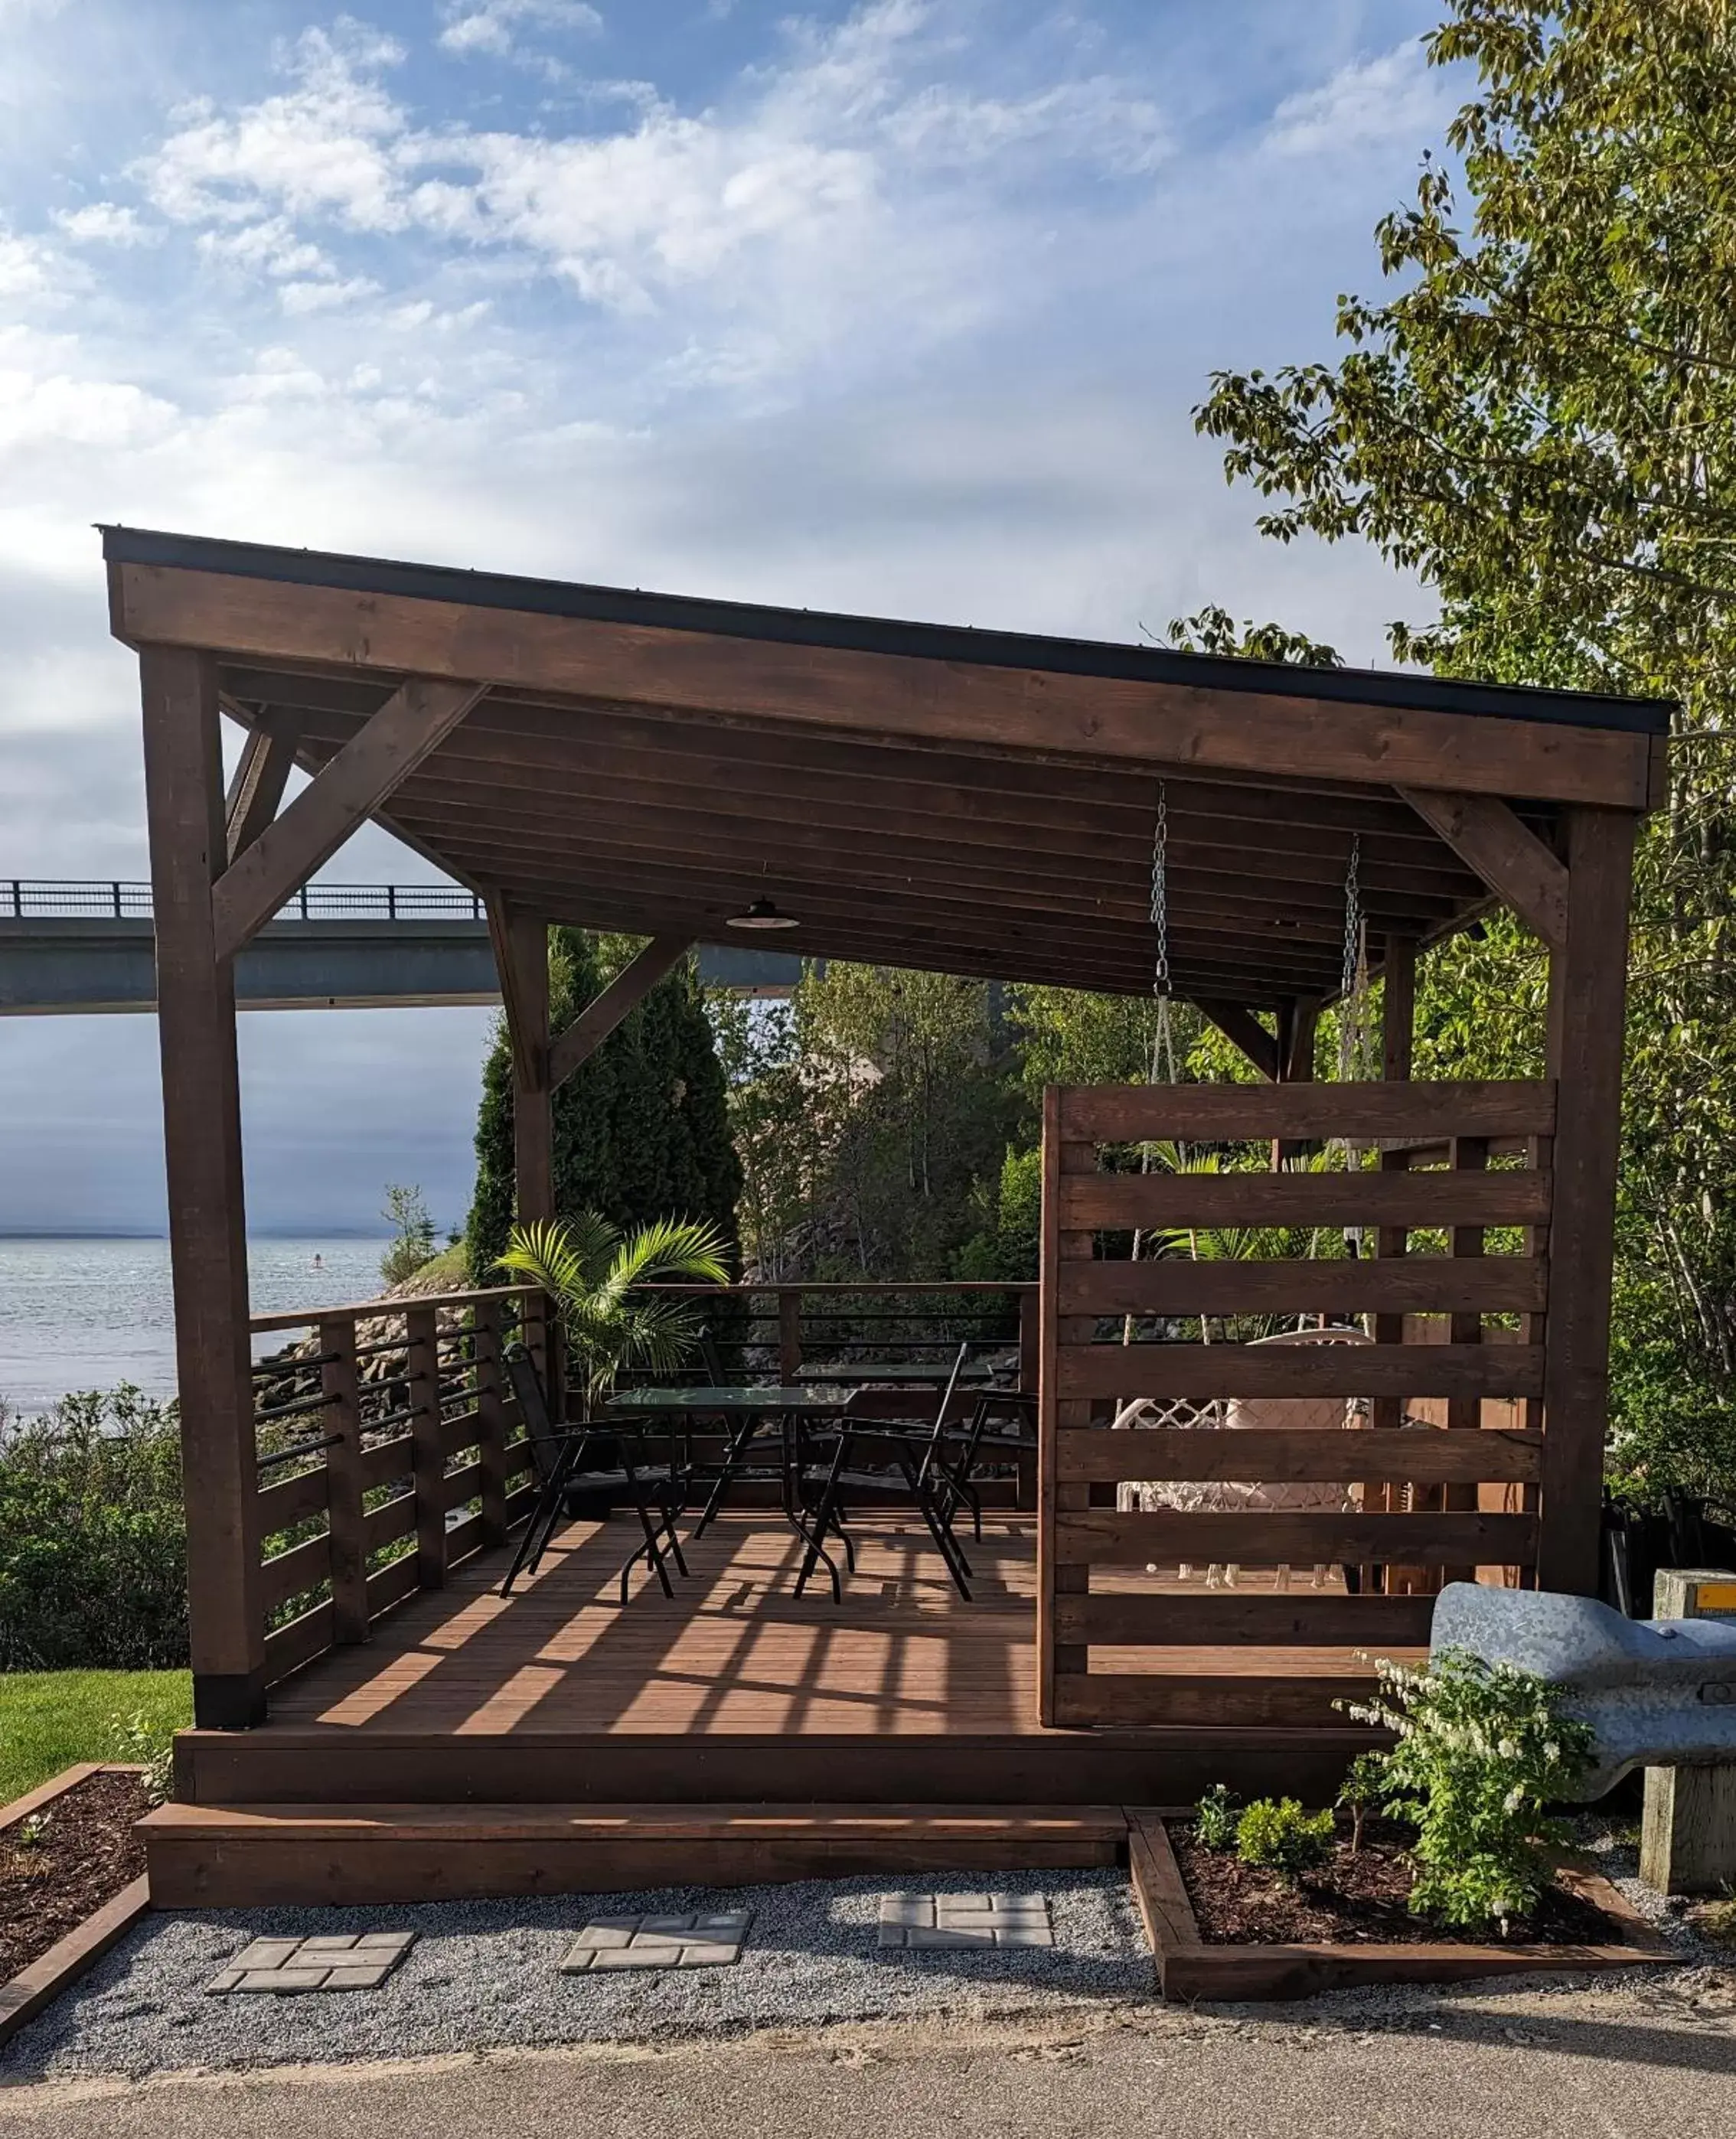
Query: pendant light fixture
x=762 y=914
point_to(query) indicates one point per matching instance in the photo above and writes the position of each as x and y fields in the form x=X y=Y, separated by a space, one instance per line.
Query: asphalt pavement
x=1643 y=2059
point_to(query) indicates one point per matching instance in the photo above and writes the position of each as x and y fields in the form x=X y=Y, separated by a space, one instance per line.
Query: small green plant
x=33 y=1830
x=139 y=1738
x=596 y=1276
x=1364 y=1786
x=1215 y=1819
x=1483 y=1749
x=1275 y=1834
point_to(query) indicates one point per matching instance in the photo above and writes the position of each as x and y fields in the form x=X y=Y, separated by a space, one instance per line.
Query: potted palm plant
x=593 y=1274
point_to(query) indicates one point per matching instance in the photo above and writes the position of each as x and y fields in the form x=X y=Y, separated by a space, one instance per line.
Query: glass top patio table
x=893 y=1371
x=802 y=1399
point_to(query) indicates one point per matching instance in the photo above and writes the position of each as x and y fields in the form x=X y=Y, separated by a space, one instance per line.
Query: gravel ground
x=486 y=1976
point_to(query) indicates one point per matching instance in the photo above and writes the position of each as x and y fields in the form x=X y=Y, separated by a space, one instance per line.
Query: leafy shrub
x=1215 y=1818
x=142 y=1739
x=93 y=1556
x=1275 y=1834
x=1483 y=1749
x=1364 y=1787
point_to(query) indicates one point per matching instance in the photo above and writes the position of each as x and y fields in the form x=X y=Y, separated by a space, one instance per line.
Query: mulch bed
x=1352 y=1900
x=86 y=1853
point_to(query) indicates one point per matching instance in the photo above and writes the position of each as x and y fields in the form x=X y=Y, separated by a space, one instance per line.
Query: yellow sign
x=1716 y=1597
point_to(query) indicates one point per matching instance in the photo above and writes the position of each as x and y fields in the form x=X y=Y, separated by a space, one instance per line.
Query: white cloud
x=106 y=223
x=317 y=296
x=323 y=148
x=490 y=28
x=1394 y=97
x=25 y=266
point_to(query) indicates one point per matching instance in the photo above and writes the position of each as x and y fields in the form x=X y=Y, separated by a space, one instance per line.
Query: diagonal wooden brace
x=599 y=1018
x=418 y=716
x=267 y=758
x=1245 y=1032
x=1503 y=850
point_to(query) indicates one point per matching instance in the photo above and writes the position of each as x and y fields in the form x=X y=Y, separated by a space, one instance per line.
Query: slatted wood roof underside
x=910 y=794
x=625 y=817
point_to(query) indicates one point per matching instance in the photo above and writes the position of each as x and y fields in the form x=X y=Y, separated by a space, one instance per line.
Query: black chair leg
x=545 y=1518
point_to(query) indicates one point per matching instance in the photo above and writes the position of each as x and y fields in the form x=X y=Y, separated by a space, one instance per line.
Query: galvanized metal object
x=1659 y=1693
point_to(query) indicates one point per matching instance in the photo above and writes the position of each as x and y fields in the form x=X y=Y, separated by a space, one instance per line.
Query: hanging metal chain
x=1352 y=922
x=1160 y=895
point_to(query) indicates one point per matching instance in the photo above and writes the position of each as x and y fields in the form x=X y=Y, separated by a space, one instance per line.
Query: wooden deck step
x=201 y=1856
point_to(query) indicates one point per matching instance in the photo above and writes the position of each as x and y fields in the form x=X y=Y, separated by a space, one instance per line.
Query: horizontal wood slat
x=1105 y=1539
x=1127 y=1113
x=292 y=1499
x=1199 y=1371
x=463 y=1432
x=393 y=1519
x=1095 y=1455
x=457 y=1486
x=299 y=1643
x=390 y=1585
x=385 y=1460
x=1083 y=1699
x=1124 y=1201
x=287 y=1574
x=1220 y=1618
x=1410 y=1285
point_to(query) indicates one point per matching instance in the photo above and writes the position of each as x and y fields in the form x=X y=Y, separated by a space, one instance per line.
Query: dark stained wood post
x=1057 y=1660
x=1030 y=1360
x=428 y=1443
x=534 y=1120
x=338 y=1383
x=183 y=787
x=1398 y=1039
x=789 y=1333
x=1587 y=1007
x=491 y=1419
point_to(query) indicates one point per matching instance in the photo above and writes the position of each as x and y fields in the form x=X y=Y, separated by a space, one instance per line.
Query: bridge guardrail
x=24 y=898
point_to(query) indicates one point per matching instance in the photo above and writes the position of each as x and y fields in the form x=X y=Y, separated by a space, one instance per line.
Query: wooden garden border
x=38 y=1985
x=1188 y=1967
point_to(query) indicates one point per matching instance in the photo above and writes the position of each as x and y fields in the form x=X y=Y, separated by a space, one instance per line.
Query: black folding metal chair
x=918 y=1456
x=657 y=1491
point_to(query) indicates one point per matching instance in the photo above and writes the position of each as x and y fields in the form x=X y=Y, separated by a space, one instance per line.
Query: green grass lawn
x=48 y=1719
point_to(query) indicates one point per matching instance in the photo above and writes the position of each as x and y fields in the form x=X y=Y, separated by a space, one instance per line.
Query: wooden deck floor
x=735 y=1688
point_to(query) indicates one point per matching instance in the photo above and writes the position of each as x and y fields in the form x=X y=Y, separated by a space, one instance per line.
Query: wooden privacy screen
x=1117 y=1627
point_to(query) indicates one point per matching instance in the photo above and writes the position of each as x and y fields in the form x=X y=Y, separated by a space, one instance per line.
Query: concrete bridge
x=73 y=948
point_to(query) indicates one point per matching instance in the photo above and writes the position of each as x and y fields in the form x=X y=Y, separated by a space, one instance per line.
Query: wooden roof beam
x=347 y=791
x=1508 y=856
x=1013 y=710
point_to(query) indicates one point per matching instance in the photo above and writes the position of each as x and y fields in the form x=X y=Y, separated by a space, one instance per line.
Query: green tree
x=641 y=1131
x=1538 y=422
x=909 y=1072
x=412 y=1233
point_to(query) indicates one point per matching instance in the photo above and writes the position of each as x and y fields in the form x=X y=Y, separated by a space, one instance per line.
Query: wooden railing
x=1427 y=1504
x=782 y=1328
x=391 y=1449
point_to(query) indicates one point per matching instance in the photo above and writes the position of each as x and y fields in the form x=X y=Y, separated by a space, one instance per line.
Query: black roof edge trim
x=937 y=642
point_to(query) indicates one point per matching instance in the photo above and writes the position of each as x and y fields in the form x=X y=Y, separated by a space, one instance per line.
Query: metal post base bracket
x=1658 y=1693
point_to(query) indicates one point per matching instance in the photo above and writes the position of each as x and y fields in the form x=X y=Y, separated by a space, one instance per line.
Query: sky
x=899 y=307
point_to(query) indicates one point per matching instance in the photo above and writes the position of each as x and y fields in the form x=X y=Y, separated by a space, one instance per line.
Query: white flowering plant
x=1483 y=1750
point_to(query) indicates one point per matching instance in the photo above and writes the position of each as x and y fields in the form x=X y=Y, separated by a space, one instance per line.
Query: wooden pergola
x=968 y=802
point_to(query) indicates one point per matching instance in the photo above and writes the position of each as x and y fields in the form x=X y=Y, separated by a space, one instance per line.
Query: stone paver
x=285 y=1968
x=607 y=1943
x=914 y=1922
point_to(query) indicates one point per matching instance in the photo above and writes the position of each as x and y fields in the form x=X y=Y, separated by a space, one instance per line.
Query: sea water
x=89 y=1314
